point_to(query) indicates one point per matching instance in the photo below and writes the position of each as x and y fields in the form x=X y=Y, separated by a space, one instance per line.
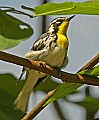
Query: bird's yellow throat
x=62 y=40
x=63 y=28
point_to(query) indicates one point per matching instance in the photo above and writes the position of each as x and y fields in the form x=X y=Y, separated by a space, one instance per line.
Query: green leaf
x=8 y=92
x=13 y=28
x=7 y=109
x=3 y=116
x=93 y=72
x=12 y=31
x=6 y=43
x=53 y=8
x=63 y=90
x=66 y=8
x=8 y=84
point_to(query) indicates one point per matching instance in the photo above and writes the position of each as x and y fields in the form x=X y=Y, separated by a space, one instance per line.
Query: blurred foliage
x=89 y=8
x=8 y=92
x=12 y=30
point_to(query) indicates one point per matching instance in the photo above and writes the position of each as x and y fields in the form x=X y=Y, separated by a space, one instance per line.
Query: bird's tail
x=21 y=101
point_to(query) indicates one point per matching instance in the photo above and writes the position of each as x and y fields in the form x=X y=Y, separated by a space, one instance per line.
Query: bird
x=50 y=48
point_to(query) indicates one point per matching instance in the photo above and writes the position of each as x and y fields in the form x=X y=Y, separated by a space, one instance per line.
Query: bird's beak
x=68 y=19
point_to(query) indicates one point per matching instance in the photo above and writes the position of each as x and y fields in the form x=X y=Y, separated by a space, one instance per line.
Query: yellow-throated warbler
x=51 y=48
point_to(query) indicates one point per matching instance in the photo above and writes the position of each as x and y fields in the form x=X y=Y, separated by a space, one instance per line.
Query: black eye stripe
x=59 y=20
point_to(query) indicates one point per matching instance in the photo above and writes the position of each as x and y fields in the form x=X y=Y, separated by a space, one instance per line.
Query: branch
x=65 y=77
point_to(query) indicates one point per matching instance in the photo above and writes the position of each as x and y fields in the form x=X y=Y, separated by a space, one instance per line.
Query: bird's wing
x=40 y=43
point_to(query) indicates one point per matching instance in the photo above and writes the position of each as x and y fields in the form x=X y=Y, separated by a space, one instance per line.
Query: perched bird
x=51 y=48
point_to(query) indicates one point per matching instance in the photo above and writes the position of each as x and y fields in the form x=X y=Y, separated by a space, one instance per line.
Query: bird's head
x=59 y=25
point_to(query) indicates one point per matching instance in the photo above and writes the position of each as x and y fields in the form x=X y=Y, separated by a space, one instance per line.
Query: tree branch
x=66 y=77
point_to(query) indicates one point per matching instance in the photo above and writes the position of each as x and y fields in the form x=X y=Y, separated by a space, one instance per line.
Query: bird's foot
x=42 y=64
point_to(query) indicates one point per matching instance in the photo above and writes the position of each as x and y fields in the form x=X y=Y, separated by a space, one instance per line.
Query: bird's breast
x=55 y=57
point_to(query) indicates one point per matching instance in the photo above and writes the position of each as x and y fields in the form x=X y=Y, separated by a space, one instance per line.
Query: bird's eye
x=60 y=20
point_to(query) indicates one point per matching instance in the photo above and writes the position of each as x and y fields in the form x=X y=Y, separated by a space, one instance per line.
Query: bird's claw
x=42 y=64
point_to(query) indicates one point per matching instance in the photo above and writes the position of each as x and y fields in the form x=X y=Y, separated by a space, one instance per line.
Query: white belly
x=55 y=57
